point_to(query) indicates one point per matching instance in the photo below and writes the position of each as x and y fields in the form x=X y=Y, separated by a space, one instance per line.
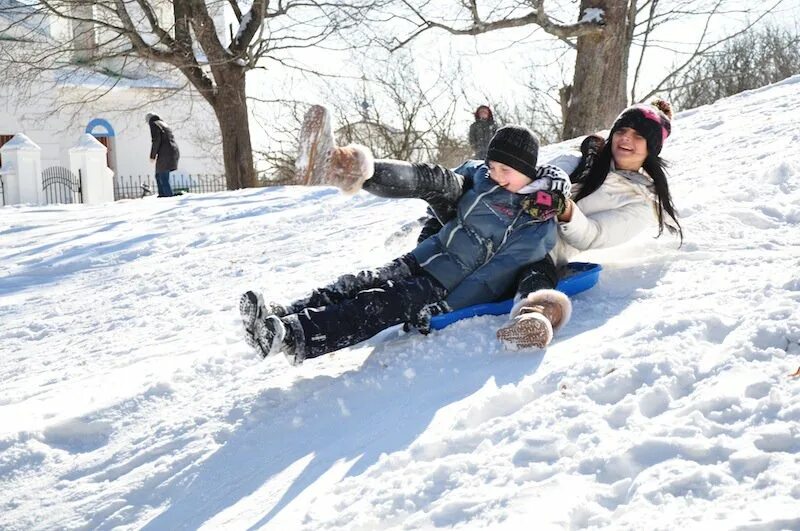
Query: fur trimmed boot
x=535 y=319
x=320 y=162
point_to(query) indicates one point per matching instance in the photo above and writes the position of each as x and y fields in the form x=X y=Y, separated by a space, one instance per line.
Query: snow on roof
x=24 y=15
x=20 y=142
x=87 y=142
x=85 y=76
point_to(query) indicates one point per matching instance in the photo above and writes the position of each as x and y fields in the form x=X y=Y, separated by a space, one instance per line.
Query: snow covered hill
x=129 y=399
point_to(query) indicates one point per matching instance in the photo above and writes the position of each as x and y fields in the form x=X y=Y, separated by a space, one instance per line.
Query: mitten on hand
x=552 y=200
x=422 y=320
x=543 y=205
x=591 y=147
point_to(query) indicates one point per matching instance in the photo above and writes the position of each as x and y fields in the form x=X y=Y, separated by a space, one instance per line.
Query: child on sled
x=503 y=221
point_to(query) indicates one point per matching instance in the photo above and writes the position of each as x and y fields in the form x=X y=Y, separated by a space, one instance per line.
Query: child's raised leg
x=255 y=311
x=318 y=331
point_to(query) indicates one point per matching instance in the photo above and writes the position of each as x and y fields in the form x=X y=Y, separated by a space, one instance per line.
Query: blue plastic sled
x=580 y=276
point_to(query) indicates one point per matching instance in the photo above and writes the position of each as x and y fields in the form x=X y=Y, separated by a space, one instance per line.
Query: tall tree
x=602 y=39
x=598 y=91
x=127 y=38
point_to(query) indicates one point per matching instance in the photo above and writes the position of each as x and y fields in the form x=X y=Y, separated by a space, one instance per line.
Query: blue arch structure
x=99 y=123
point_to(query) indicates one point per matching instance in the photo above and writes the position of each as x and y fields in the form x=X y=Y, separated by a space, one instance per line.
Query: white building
x=53 y=108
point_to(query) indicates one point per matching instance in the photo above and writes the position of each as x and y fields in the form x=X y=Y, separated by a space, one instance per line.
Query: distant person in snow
x=481 y=131
x=164 y=153
x=619 y=189
x=505 y=209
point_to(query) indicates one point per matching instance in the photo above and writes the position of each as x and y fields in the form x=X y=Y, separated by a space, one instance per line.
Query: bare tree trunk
x=230 y=106
x=598 y=92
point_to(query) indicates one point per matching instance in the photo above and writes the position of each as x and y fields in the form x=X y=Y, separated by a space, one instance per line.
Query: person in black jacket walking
x=163 y=151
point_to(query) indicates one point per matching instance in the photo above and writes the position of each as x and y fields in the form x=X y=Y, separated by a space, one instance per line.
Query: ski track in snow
x=130 y=400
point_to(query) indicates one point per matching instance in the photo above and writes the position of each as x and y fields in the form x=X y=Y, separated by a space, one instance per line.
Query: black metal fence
x=137 y=186
x=61 y=186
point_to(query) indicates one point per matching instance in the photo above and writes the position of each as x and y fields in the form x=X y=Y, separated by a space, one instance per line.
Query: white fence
x=87 y=180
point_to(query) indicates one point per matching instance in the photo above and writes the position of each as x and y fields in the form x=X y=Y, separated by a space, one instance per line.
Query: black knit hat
x=515 y=146
x=649 y=121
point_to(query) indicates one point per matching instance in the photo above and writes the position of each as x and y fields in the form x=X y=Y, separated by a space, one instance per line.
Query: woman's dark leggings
x=541 y=275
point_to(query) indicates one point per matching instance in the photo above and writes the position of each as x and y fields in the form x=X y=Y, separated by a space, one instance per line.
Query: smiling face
x=507 y=177
x=628 y=148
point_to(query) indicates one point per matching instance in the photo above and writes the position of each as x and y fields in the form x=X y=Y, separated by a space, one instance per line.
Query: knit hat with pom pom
x=652 y=121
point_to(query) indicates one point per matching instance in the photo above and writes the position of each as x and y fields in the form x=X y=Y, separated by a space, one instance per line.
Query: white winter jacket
x=623 y=206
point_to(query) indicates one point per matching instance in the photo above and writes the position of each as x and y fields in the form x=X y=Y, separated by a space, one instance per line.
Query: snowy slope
x=129 y=400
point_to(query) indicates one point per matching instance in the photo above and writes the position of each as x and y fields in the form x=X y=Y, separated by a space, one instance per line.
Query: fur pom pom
x=349 y=167
x=366 y=160
x=663 y=106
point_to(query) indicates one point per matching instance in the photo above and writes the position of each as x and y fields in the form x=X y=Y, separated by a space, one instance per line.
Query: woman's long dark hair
x=655 y=168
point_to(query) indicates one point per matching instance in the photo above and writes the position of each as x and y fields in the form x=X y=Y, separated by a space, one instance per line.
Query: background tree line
x=600 y=51
x=752 y=60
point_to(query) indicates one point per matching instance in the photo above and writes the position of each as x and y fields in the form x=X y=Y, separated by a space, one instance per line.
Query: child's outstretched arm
x=439 y=186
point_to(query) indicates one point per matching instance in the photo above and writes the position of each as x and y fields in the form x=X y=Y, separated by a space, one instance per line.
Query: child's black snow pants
x=356 y=307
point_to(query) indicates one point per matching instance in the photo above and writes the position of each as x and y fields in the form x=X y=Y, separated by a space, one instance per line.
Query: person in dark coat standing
x=481 y=131
x=163 y=151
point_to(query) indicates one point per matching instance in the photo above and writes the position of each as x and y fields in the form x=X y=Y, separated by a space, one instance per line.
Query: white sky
x=499 y=62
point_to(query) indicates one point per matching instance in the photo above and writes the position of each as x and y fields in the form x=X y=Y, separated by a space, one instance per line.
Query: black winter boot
x=252 y=308
x=269 y=335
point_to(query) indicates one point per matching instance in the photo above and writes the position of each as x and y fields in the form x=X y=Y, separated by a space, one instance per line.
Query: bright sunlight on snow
x=129 y=399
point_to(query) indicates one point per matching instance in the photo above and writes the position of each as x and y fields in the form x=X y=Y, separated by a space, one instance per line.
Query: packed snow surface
x=129 y=399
